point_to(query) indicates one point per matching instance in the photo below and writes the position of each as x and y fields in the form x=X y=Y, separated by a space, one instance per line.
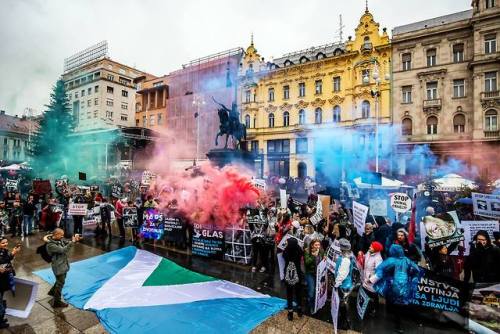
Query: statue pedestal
x=223 y=157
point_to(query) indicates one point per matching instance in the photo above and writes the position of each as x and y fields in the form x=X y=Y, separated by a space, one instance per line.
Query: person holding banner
x=6 y=276
x=312 y=258
x=343 y=281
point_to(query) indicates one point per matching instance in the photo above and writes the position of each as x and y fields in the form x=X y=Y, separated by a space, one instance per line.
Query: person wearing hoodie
x=293 y=276
x=396 y=279
x=483 y=260
x=343 y=281
x=410 y=249
x=371 y=261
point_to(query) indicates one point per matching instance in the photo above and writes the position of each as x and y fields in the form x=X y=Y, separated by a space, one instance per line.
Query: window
x=109 y=103
x=458 y=53
x=302 y=89
x=336 y=84
x=318 y=84
x=151 y=120
x=490 y=81
x=490 y=43
x=89 y=103
x=95 y=113
x=125 y=106
x=76 y=95
x=158 y=84
x=271 y=120
x=459 y=123
x=144 y=121
x=406 y=94
x=124 y=118
x=459 y=88
x=365 y=74
x=365 y=109
x=109 y=114
x=124 y=81
x=96 y=101
x=490 y=3
x=286 y=92
x=160 y=119
x=124 y=93
x=278 y=146
x=255 y=146
x=255 y=122
x=83 y=92
x=247 y=96
x=69 y=96
x=270 y=94
x=247 y=121
x=336 y=114
x=491 y=120
x=96 y=89
x=286 y=118
x=110 y=77
x=97 y=74
x=406 y=61
x=110 y=90
x=301 y=145
x=302 y=116
x=318 y=115
x=136 y=122
x=431 y=57
x=432 y=90
x=406 y=129
x=89 y=91
x=432 y=123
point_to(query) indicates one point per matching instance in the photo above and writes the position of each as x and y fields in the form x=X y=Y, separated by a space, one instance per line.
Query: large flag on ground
x=135 y=291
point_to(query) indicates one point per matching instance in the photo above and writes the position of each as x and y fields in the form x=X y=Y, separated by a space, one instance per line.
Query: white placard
x=359 y=213
x=471 y=228
x=400 y=202
x=321 y=285
x=77 y=209
x=283 y=200
x=284 y=240
x=487 y=205
x=378 y=207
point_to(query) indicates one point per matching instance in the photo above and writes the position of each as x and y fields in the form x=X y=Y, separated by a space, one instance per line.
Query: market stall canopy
x=16 y=167
x=387 y=184
x=452 y=182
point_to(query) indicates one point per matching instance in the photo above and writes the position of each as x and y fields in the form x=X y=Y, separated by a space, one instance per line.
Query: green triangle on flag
x=169 y=273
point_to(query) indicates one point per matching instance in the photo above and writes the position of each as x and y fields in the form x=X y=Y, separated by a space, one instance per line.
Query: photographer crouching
x=7 y=274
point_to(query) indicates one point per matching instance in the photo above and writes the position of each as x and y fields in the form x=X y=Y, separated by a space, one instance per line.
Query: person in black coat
x=383 y=235
x=6 y=276
x=293 y=254
x=483 y=260
x=411 y=251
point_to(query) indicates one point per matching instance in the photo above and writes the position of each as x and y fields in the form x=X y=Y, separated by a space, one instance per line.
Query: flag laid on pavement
x=135 y=291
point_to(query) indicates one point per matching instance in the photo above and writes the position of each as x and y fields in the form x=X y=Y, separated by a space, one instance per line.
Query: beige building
x=151 y=101
x=15 y=137
x=445 y=87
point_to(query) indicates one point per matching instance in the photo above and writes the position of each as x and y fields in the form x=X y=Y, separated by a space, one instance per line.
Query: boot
x=290 y=315
x=59 y=304
x=4 y=325
x=299 y=312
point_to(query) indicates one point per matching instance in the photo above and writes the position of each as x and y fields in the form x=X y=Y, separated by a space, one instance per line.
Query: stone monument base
x=223 y=157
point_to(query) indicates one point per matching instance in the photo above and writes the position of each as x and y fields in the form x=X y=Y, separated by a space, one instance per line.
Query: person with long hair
x=312 y=258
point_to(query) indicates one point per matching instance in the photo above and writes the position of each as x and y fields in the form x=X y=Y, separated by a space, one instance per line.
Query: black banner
x=174 y=230
x=117 y=190
x=208 y=242
x=130 y=217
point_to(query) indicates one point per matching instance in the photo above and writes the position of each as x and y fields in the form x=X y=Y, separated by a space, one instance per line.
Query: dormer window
x=304 y=59
x=288 y=62
x=320 y=55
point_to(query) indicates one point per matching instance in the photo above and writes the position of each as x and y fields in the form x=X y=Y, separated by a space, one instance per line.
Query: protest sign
x=284 y=240
x=259 y=184
x=400 y=202
x=42 y=187
x=117 y=190
x=471 y=228
x=378 y=207
x=443 y=229
x=335 y=308
x=89 y=225
x=94 y=188
x=321 y=285
x=152 y=227
x=318 y=214
x=362 y=302
x=147 y=177
x=174 y=230
x=359 y=212
x=77 y=209
x=487 y=205
x=20 y=303
x=332 y=254
x=207 y=242
x=11 y=184
x=283 y=201
x=238 y=246
x=130 y=217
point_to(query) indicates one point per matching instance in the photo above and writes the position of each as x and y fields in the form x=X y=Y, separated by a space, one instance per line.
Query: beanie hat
x=344 y=244
x=377 y=246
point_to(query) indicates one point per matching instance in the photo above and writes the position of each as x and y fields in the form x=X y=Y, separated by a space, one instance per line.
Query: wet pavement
x=44 y=319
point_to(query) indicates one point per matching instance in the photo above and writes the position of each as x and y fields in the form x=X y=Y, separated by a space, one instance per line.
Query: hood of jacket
x=396 y=251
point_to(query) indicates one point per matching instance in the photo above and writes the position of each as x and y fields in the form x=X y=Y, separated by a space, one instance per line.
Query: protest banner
x=400 y=202
x=471 y=228
x=20 y=302
x=321 y=285
x=335 y=308
x=174 y=229
x=130 y=217
x=359 y=212
x=152 y=227
x=238 y=245
x=284 y=240
x=443 y=229
x=332 y=254
x=11 y=184
x=486 y=205
x=42 y=187
x=207 y=242
x=362 y=302
x=378 y=207
x=89 y=224
x=77 y=209
x=116 y=190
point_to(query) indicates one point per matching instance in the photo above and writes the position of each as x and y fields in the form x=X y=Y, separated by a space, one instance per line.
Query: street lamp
x=376 y=94
x=197 y=102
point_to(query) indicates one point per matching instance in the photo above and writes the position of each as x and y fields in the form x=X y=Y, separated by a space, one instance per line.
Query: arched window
x=459 y=123
x=286 y=118
x=302 y=116
x=365 y=109
x=491 y=120
x=247 y=121
x=320 y=55
x=303 y=59
x=302 y=170
x=406 y=129
x=432 y=125
x=271 y=120
x=318 y=116
x=336 y=114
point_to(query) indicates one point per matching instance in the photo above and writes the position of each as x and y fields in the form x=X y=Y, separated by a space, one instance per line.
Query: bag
x=42 y=250
x=291 y=274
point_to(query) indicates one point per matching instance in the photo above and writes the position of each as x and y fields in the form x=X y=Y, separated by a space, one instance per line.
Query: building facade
x=102 y=94
x=288 y=103
x=15 y=137
x=151 y=102
x=445 y=88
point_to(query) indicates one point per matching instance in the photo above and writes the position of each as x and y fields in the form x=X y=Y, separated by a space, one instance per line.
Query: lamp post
x=376 y=94
x=197 y=102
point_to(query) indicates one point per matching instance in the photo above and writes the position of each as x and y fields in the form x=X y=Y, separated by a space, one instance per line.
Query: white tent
x=387 y=184
x=13 y=167
x=453 y=182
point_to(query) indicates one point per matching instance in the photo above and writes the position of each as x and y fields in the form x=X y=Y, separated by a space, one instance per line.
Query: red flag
x=411 y=232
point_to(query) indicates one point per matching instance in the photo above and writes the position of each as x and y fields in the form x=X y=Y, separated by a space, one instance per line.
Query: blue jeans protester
x=27 y=224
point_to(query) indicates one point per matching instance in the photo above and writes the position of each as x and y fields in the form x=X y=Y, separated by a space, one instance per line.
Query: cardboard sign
x=152 y=227
x=77 y=209
x=321 y=286
x=130 y=217
x=318 y=215
x=207 y=242
x=283 y=199
x=359 y=213
x=20 y=303
x=378 y=207
x=147 y=177
x=440 y=230
x=486 y=205
x=332 y=254
x=400 y=202
x=362 y=302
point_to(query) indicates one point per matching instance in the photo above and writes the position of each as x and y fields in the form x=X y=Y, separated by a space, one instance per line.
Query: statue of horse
x=230 y=125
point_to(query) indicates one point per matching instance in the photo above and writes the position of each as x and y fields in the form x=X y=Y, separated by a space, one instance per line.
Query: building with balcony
x=445 y=87
x=288 y=103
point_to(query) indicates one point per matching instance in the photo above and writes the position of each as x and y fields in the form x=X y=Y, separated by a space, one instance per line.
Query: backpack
x=42 y=250
x=291 y=274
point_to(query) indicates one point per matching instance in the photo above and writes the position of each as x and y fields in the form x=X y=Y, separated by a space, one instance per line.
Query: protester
x=410 y=249
x=483 y=261
x=7 y=274
x=383 y=234
x=105 y=210
x=371 y=261
x=367 y=238
x=441 y=262
x=29 y=210
x=58 y=249
x=78 y=219
x=4 y=220
x=496 y=235
x=150 y=203
x=293 y=276
x=344 y=281
x=312 y=258
x=16 y=219
x=119 y=206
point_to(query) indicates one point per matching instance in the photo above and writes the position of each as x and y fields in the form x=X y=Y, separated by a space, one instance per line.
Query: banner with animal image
x=442 y=229
x=321 y=285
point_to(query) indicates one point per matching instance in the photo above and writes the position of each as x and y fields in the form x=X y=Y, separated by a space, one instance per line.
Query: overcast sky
x=158 y=36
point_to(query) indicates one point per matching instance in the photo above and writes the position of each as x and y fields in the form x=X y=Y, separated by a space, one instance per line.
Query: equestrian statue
x=229 y=120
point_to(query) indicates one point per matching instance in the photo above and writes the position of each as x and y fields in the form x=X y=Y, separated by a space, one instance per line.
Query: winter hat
x=344 y=244
x=377 y=246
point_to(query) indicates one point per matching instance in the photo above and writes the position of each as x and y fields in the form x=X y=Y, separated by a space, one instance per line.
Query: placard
x=20 y=303
x=147 y=177
x=332 y=254
x=471 y=228
x=207 y=242
x=486 y=205
x=321 y=286
x=238 y=245
x=283 y=201
x=116 y=190
x=42 y=187
x=11 y=184
x=362 y=302
x=130 y=217
x=94 y=188
x=283 y=242
x=152 y=227
x=400 y=202
x=359 y=213
x=77 y=209
x=378 y=207
x=442 y=229
x=174 y=230
x=259 y=184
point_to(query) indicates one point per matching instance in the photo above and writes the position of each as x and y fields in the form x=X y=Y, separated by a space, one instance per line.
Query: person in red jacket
x=119 y=206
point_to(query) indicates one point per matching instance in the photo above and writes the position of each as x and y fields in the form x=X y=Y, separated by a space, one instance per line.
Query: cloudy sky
x=158 y=36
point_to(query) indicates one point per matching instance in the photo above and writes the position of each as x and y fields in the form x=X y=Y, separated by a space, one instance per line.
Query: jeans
x=77 y=224
x=121 y=227
x=56 y=290
x=27 y=224
x=311 y=290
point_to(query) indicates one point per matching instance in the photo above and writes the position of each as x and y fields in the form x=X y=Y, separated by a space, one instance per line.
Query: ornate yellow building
x=285 y=103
